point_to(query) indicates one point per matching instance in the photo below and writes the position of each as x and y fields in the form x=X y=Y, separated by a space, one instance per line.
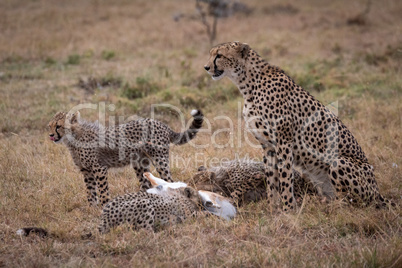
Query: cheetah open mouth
x=55 y=139
x=217 y=75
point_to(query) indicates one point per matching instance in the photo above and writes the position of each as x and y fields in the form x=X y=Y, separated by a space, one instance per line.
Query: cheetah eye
x=218 y=56
x=57 y=127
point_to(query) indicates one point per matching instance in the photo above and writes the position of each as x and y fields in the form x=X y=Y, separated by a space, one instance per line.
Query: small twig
x=210 y=32
x=368 y=8
x=213 y=34
x=203 y=17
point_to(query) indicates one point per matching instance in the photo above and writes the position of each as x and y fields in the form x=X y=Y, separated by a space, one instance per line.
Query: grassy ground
x=50 y=51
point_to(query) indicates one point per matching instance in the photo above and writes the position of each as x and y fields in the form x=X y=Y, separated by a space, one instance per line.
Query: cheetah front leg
x=272 y=179
x=140 y=167
x=90 y=183
x=284 y=155
x=102 y=184
x=242 y=185
x=237 y=194
x=107 y=218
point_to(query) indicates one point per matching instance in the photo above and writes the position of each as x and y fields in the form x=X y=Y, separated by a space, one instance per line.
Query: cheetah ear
x=59 y=115
x=212 y=176
x=243 y=50
x=202 y=168
x=73 y=118
x=188 y=192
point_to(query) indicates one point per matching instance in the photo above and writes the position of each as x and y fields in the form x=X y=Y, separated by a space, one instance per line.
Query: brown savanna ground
x=140 y=56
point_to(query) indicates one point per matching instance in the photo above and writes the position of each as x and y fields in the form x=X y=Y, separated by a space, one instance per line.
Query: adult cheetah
x=95 y=148
x=294 y=130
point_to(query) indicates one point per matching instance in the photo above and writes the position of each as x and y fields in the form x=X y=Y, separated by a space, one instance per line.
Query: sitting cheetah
x=295 y=131
x=244 y=181
x=95 y=148
x=165 y=204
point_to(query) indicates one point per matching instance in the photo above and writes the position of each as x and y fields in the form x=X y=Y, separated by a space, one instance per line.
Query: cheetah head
x=60 y=123
x=227 y=60
x=206 y=180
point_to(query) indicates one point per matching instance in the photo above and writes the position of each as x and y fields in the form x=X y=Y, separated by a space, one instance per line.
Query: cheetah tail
x=43 y=233
x=32 y=230
x=189 y=134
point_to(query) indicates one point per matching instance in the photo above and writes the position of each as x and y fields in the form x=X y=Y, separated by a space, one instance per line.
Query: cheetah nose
x=207 y=68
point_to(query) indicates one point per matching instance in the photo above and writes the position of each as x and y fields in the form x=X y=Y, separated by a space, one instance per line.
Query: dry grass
x=46 y=47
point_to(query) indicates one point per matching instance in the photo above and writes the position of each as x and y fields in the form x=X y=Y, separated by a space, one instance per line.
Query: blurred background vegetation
x=135 y=53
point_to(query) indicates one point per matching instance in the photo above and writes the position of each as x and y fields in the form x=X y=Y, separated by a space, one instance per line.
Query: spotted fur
x=244 y=181
x=151 y=211
x=95 y=148
x=295 y=131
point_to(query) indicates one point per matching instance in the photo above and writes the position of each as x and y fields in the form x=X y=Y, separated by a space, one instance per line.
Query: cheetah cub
x=95 y=148
x=163 y=205
x=295 y=131
x=244 y=181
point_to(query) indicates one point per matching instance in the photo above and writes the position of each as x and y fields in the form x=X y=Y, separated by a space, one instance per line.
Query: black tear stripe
x=58 y=135
x=215 y=66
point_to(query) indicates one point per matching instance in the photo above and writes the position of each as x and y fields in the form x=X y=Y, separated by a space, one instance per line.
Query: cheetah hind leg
x=102 y=184
x=162 y=167
x=146 y=216
x=137 y=213
x=140 y=168
x=355 y=182
x=90 y=183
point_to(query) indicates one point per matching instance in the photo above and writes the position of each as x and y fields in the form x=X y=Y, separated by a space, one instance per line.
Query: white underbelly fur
x=319 y=178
